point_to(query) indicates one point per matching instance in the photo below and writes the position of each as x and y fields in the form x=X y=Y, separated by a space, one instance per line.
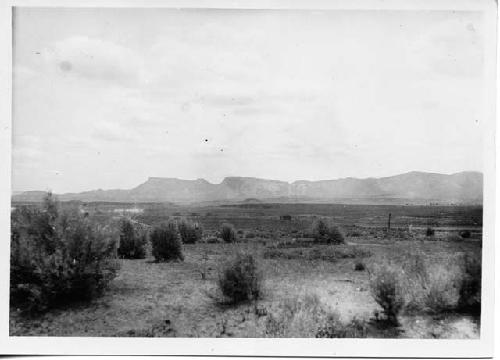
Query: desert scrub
x=58 y=257
x=298 y=317
x=325 y=232
x=325 y=253
x=386 y=289
x=469 y=285
x=227 y=232
x=334 y=328
x=359 y=266
x=429 y=231
x=306 y=316
x=189 y=232
x=132 y=242
x=240 y=279
x=166 y=243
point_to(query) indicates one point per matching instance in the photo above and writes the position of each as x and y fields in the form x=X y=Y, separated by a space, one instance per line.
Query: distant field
x=172 y=299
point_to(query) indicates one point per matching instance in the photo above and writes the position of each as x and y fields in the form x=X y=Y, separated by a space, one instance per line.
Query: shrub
x=57 y=257
x=429 y=232
x=132 y=243
x=249 y=235
x=307 y=316
x=228 y=233
x=359 y=266
x=166 y=243
x=298 y=317
x=469 y=287
x=334 y=328
x=190 y=233
x=465 y=234
x=386 y=290
x=326 y=233
x=240 y=279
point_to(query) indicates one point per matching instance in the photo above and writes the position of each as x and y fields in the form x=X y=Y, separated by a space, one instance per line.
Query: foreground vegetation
x=222 y=280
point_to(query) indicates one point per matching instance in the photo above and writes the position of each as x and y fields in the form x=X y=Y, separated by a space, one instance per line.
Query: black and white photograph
x=250 y=172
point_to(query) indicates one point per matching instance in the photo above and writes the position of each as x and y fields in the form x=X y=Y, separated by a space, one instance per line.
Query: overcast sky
x=105 y=98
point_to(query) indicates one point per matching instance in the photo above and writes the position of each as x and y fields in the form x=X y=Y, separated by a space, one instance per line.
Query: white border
x=256 y=347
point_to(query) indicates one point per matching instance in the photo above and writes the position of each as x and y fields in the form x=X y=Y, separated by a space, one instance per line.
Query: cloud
x=95 y=59
x=114 y=132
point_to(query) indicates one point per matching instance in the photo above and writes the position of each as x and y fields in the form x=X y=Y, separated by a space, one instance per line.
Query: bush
x=325 y=232
x=132 y=244
x=465 y=234
x=334 y=328
x=57 y=257
x=190 y=233
x=359 y=266
x=228 y=233
x=386 y=290
x=469 y=287
x=166 y=243
x=249 y=235
x=429 y=232
x=239 y=279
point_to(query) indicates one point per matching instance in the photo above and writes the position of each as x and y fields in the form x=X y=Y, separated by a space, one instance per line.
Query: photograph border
x=482 y=347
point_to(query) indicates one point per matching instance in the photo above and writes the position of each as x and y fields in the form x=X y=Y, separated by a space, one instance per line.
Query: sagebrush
x=166 y=243
x=325 y=232
x=190 y=232
x=240 y=279
x=132 y=241
x=228 y=233
x=58 y=257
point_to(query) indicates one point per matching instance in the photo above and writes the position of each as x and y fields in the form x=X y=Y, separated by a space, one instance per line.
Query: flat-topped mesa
x=417 y=187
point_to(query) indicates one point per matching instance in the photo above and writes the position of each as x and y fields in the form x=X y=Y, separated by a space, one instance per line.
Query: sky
x=105 y=98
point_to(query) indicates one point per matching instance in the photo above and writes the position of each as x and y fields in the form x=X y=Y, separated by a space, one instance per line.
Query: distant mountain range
x=412 y=187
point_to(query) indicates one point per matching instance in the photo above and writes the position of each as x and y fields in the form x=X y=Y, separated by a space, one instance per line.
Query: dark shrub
x=190 y=233
x=465 y=234
x=249 y=235
x=239 y=279
x=132 y=243
x=429 y=232
x=386 y=290
x=166 y=243
x=57 y=257
x=470 y=285
x=359 y=266
x=228 y=233
x=325 y=232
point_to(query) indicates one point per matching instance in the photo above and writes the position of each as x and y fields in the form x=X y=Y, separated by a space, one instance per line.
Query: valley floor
x=172 y=299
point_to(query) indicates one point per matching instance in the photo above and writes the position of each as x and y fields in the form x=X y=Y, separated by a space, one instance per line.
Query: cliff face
x=464 y=187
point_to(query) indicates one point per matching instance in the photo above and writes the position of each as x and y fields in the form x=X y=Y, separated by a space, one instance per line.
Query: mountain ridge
x=460 y=187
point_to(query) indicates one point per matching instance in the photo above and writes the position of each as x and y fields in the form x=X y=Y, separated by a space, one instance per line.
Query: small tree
x=132 y=243
x=325 y=232
x=228 y=234
x=239 y=279
x=190 y=233
x=166 y=243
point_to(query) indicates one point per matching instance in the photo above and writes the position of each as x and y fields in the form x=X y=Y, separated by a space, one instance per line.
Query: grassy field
x=304 y=283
